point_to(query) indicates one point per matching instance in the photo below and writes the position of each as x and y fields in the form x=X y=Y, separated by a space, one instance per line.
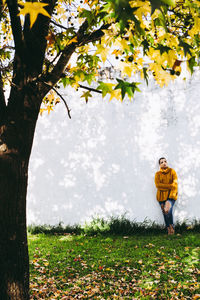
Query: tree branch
x=1 y=9
x=82 y=29
x=59 y=25
x=90 y=89
x=35 y=40
x=53 y=77
x=2 y=100
x=61 y=97
x=15 y=24
x=94 y=36
x=59 y=68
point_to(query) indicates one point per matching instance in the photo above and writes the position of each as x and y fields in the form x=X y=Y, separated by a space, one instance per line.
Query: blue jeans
x=169 y=216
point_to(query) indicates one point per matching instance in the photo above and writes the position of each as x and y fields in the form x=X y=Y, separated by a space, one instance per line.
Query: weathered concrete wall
x=103 y=160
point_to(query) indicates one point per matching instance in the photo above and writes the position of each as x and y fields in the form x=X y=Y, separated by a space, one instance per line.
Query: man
x=167 y=192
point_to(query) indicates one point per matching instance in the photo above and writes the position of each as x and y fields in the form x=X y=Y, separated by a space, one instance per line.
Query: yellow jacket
x=167 y=184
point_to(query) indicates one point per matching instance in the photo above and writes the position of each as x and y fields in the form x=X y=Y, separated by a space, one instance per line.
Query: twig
x=67 y=107
x=2 y=96
x=49 y=63
x=94 y=36
x=59 y=25
x=90 y=89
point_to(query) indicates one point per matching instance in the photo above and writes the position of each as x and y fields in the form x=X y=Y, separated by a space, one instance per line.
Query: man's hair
x=160 y=159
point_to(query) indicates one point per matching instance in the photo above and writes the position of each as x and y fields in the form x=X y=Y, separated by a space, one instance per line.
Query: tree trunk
x=18 y=117
x=16 y=137
x=14 y=262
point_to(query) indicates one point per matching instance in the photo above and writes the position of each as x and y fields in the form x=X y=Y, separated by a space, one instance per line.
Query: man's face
x=163 y=163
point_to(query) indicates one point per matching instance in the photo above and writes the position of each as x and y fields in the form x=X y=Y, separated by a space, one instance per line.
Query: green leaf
x=4 y=54
x=127 y=88
x=122 y=12
x=191 y=64
x=156 y=4
x=65 y=81
x=160 y=21
x=145 y=45
x=88 y=15
x=146 y=76
x=163 y=49
x=86 y=95
x=105 y=88
x=169 y=2
x=186 y=47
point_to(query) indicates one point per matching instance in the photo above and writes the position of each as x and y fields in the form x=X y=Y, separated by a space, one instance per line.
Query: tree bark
x=16 y=137
x=18 y=117
x=14 y=262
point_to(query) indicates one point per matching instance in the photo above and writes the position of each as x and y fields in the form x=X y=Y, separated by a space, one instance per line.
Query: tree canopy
x=75 y=38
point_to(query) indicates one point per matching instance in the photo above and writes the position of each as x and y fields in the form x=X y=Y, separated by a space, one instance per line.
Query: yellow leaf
x=81 y=20
x=86 y=95
x=95 y=2
x=115 y=94
x=85 y=48
x=144 y=9
x=75 y=85
x=79 y=77
x=50 y=97
x=160 y=75
x=57 y=100
x=61 y=10
x=171 y=40
x=41 y=111
x=154 y=55
x=33 y=9
x=108 y=38
x=80 y=9
x=117 y=52
x=196 y=28
x=122 y=43
x=102 y=51
x=64 y=17
x=74 y=40
x=169 y=58
x=140 y=261
x=49 y=108
x=126 y=68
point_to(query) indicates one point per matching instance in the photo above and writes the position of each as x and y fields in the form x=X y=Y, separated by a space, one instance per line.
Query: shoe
x=171 y=228
x=168 y=231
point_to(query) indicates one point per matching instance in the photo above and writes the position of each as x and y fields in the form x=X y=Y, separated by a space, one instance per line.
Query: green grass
x=114 y=225
x=154 y=266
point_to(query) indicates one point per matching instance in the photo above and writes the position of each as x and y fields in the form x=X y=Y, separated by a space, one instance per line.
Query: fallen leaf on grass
x=195 y=297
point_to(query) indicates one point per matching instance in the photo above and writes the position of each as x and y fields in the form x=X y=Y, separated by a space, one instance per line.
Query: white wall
x=103 y=160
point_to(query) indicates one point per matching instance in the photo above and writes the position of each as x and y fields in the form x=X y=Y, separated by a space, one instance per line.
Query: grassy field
x=115 y=267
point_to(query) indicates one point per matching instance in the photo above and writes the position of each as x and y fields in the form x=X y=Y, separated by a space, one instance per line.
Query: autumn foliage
x=138 y=37
x=115 y=267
